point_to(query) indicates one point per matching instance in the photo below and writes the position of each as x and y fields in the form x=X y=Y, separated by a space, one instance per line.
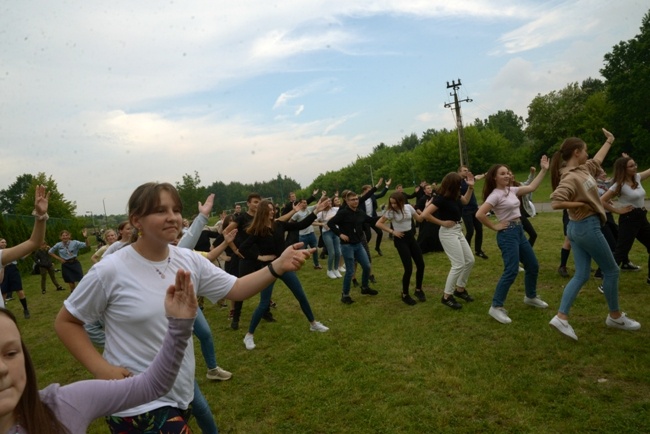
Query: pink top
x=505 y=203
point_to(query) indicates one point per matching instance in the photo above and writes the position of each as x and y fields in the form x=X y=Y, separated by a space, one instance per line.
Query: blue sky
x=106 y=96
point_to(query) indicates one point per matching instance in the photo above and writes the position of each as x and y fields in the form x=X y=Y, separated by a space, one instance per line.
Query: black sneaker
x=372 y=279
x=346 y=299
x=368 y=291
x=42 y=291
x=464 y=295
x=26 y=313
x=268 y=316
x=481 y=254
x=419 y=294
x=354 y=282
x=451 y=302
x=598 y=274
x=562 y=271
x=234 y=324
x=60 y=288
x=408 y=300
x=628 y=266
x=379 y=251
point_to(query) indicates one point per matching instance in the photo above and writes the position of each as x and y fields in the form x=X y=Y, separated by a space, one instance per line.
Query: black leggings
x=408 y=249
x=632 y=225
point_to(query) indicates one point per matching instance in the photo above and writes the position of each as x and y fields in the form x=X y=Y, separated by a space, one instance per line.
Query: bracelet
x=272 y=270
x=39 y=217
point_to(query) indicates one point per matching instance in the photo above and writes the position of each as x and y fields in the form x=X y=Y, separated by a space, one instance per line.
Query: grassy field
x=385 y=367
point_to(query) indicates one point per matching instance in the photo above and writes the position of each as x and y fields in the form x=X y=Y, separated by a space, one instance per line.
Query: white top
x=505 y=203
x=368 y=204
x=401 y=220
x=324 y=216
x=117 y=245
x=301 y=215
x=127 y=292
x=629 y=196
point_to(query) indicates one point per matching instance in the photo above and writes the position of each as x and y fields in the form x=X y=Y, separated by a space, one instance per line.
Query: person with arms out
x=503 y=200
x=66 y=252
x=369 y=206
x=576 y=190
x=125 y=290
x=633 y=217
x=401 y=215
x=43 y=261
x=446 y=210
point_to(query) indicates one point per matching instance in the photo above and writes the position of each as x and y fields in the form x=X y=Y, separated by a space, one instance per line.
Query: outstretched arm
x=525 y=189
x=41 y=198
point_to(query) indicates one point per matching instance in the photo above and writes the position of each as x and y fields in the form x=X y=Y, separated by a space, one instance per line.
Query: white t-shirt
x=401 y=220
x=117 y=245
x=630 y=196
x=505 y=203
x=127 y=292
x=300 y=216
x=324 y=216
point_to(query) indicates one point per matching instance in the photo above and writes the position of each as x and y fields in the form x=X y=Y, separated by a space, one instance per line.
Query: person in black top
x=428 y=239
x=292 y=236
x=238 y=264
x=446 y=211
x=264 y=244
x=44 y=262
x=469 y=213
x=369 y=206
x=348 y=225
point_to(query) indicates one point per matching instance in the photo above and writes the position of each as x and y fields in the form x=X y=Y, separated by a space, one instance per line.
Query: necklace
x=162 y=273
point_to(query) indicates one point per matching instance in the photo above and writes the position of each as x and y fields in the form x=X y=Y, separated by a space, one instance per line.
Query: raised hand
x=610 y=136
x=180 y=300
x=41 y=200
x=206 y=208
x=544 y=162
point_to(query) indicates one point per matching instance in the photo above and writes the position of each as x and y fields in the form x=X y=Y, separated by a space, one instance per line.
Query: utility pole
x=462 y=146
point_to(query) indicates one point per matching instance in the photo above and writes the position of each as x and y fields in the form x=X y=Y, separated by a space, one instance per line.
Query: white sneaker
x=331 y=274
x=521 y=269
x=535 y=302
x=318 y=327
x=249 y=342
x=337 y=274
x=218 y=374
x=623 y=322
x=500 y=314
x=564 y=327
x=342 y=269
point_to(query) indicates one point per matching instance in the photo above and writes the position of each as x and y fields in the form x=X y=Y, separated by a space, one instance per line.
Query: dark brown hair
x=490 y=182
x=620 y=174
x=261 y=225
x=562 y=156
x=399 y=202
x=450 y=186
x=32 y=413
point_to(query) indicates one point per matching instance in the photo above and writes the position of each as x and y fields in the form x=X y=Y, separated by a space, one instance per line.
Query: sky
x=104 y=96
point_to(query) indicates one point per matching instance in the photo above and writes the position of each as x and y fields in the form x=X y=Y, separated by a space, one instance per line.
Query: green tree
x=14 y=194
x=58 y=206
x=627 y=70
x=509 y=125
x=191 y=193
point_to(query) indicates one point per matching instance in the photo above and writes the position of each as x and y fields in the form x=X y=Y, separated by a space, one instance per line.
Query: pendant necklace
x=162 y=273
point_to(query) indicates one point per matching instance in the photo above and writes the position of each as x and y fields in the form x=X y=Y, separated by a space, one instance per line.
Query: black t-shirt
x=448 y=209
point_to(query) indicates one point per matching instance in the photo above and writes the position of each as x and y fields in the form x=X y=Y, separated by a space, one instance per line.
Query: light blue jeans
x=291 y=280
x=204 y=335
x=333 y=244
x=201 y=411
x=587 y=242
x=310 y=241
x=515 y=248
x=351 y=252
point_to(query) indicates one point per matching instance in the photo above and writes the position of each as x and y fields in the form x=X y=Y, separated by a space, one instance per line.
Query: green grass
x=385 y=367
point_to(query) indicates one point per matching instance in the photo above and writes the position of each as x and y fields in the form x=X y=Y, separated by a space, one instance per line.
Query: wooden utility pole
x=462 y=146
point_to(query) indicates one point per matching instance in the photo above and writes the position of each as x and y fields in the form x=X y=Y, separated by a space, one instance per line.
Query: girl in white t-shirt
x=633 y=219
x=401 y=215
x=502 y=199
x=126 y=290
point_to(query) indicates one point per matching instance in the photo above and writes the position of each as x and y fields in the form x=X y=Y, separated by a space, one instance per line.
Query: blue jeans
x=310 y=241
x=203 y=333
x=515 y=248
x=201 y=411
x=351 y=252
x=587 y=242
x=291 y=280
x=333 y=245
